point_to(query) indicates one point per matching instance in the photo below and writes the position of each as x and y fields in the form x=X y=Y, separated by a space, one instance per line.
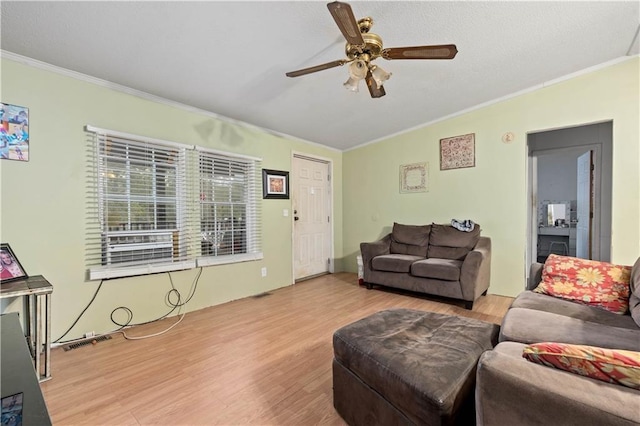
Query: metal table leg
x=47 y=338
x=30 y=324
x=38 y=336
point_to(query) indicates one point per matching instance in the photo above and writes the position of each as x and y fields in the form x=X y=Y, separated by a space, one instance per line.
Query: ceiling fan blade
x=374 y=90
x=317 y=68
x=343 y=15
x=442 y=51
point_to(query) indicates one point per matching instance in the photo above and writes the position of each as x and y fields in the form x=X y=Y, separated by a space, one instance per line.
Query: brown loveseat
x=512 y=390
x=430 y=259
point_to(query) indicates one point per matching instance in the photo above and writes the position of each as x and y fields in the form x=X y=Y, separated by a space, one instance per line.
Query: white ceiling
x=230 y=58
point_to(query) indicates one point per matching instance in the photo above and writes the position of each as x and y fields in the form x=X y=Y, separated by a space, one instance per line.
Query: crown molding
x=501 y=99
x=147 y=96
x=153 y=98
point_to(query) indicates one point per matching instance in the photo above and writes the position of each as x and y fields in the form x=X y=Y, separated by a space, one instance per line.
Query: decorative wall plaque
x=413 y=177
x=458 y=152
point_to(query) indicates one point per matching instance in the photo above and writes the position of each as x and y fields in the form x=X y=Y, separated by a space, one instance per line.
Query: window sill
x=224 y=260
x=105 y=273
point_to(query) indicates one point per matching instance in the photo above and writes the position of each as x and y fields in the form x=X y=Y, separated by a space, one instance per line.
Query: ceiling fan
x=363 y=48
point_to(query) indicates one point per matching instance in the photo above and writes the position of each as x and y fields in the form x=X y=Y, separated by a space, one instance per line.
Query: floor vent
x=85 y=342
x=258 y=296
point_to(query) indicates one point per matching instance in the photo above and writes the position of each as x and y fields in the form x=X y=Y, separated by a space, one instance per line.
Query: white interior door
x=584 y=205
x=532 y=211
x=312 y=220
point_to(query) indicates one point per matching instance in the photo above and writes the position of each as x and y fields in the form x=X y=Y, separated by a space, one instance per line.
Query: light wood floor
x=259 y=360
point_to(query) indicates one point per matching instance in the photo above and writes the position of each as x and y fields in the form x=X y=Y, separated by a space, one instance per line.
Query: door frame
x=532 y=197
x=330 y=200
x=592 y=210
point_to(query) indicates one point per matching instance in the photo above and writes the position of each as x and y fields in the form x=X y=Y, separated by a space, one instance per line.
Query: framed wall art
x=413 y=177
x=275 y=184
x=11 y=269
x=14 y=132
x=458 y=152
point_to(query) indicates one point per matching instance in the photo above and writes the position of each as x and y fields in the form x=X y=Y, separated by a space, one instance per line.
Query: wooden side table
x=37 y=291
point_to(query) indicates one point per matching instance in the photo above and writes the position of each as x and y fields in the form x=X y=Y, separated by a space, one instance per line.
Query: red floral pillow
x=600 y=284
x=609 y=365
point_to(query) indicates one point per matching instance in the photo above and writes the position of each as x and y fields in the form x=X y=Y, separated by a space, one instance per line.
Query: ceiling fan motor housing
x=372 y=47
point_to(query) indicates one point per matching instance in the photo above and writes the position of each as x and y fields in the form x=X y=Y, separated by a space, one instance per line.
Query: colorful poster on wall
x=14 y=132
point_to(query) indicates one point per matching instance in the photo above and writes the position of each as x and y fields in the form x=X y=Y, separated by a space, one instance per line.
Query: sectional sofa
x=512 y=390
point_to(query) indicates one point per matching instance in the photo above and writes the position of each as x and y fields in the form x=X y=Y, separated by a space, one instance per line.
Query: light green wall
x=42 y=211
x=42 y=202
x=493 y=193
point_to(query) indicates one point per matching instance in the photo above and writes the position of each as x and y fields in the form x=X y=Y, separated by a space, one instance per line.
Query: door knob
x=296 y=218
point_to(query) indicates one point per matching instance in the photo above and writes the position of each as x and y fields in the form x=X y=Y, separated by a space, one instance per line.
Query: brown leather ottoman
x=403 y=366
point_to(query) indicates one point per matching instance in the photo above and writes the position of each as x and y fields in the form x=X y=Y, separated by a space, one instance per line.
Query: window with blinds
x=229 y=208
x=158 y=206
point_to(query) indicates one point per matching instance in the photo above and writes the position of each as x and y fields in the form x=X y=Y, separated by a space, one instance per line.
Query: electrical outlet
x=263 y=271
x=90 y=334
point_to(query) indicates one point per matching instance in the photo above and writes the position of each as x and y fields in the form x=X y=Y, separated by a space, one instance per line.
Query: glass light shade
x=352 y=84
x=379 y=75
x=358 y=69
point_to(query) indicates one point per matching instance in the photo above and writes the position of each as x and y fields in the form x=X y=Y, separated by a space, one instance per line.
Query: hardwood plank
x=258 y=360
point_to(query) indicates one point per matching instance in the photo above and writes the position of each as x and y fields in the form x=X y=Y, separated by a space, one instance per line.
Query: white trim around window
x=158 y=206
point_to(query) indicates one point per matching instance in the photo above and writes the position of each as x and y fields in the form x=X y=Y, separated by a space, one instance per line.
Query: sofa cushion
x=439 y=269
x=410 y=239
x=394 y=262
x=446 y=242
x=609 y=365
x=634 y=296
x=543 y=302
x=590 y=282
x=533 y=326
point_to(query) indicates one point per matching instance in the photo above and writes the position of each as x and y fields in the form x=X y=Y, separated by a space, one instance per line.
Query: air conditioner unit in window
x=138 y=247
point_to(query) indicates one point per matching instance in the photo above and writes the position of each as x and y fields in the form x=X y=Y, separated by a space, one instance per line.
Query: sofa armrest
x=475 y=274
x=535 y=276
x=513 y=391
x=373 y=249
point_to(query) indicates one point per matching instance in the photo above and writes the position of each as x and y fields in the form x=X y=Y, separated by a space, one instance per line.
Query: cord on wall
x=177 y=305
x=149 y=335
x=172 y=292
x=79 y=316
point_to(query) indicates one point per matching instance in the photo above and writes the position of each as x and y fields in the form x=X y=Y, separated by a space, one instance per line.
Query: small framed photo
x=11 y=268
x=275 y=184
x=14 y=132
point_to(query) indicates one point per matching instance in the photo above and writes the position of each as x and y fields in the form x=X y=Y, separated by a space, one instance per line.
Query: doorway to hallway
x=569 y=184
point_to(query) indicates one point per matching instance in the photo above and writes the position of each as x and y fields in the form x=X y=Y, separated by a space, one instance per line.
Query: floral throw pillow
x=590 y=282
x=609 y=365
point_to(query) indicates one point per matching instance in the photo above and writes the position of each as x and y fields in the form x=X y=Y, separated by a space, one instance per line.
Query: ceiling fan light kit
x=363 y=47
x=357 y=71
x=379 y=75
x=352 y=84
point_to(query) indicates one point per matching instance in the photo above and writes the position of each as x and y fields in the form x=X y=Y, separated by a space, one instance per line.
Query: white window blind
x=149 y=210
x=229 y=207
